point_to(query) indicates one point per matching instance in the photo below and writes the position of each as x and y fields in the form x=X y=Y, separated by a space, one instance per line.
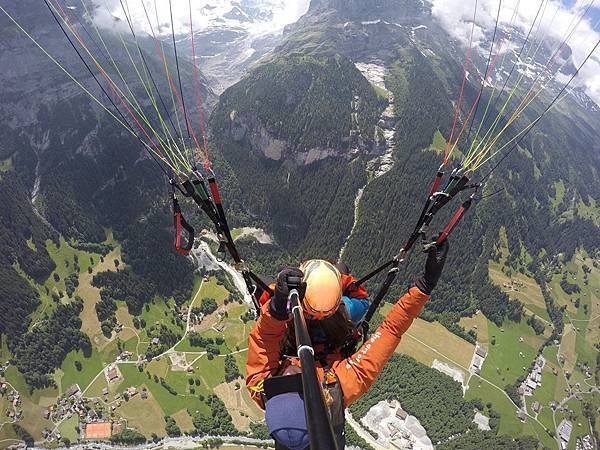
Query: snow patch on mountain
x=258 y=17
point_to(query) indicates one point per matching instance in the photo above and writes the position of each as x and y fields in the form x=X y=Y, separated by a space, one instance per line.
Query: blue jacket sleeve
x=357 y=308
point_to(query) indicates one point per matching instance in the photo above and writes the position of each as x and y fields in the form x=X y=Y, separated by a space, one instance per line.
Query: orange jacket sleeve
x=263 y=352
x=357 y=373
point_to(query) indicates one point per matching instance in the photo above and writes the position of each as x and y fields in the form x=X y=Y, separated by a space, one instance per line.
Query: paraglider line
x=187 y=125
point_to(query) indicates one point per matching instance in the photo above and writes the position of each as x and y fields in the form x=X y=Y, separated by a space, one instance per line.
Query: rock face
x=247 y=128
x=302 y=110
x=373 y=9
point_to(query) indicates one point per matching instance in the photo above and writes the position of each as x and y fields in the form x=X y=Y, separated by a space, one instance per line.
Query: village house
x=536 y=407
x=72 y=391
x=112 y=374
x=480 y=351
x=564 y=433
x=131 y=391
x=124 y=356
x=401 y=414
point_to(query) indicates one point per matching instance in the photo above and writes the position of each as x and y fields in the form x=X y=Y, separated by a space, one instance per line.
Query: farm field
x=426 y=341
x=513 y=347
x=478 y=323
x=173 y=391
x=32 y=412
x=520 y=287
x=509 y=422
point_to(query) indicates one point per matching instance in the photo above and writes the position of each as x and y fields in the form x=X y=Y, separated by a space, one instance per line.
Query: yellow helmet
x=323 y=288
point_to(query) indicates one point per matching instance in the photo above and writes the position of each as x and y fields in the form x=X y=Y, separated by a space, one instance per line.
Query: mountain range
x=326 y=133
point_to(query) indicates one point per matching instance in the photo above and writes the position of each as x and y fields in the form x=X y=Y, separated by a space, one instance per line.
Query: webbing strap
x=454 y=221
x=213 y=207
x=180 y=225
x=435 y=202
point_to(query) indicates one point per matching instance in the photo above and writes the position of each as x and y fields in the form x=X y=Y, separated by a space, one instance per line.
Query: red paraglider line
x=175 y=91
x=198 y=94
x=462 y=88
x=109 y=81
x=476 y=102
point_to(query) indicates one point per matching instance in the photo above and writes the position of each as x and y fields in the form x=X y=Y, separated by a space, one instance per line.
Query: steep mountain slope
x=329 y=143
x=422 y=74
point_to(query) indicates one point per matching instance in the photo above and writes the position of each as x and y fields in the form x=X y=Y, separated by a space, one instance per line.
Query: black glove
x=433 y=267
x=288 y=279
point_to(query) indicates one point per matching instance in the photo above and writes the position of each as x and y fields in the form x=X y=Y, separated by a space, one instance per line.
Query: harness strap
x=213 y=207
x=454 y=221
x=454 y=186
x=181 y=224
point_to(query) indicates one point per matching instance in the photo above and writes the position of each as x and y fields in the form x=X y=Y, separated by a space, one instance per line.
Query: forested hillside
x=325 y=148
x=423 y=89
x=67 y=172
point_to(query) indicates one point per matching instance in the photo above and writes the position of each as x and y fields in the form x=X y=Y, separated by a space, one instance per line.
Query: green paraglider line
x=543 y=4
x=161 y=53
x=177 y=66
x=121 y=120
x=171 y=141
x=492 y=130
x=207 y=164
x=116 y=90
x=475 y=158
x=487 y=106
x=166 y=144
x=146 y=67
x=462 y=89
x=554 y=102
x=487 y=71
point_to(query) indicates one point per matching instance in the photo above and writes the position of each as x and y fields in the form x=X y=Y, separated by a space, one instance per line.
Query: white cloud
x=205 y=13
x=556 y=19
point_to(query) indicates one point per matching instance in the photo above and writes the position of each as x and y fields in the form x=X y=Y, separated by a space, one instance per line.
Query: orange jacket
x=356 y=374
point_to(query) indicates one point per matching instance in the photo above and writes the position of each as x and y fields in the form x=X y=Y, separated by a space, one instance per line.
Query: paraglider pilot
x=273 y=367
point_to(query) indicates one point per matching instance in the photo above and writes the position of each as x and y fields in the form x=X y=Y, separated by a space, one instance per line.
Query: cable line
x=491 y=130
x=177 y=65
x=147 y=67
x=128 y=105
x=169 y=136
x=462 y=87
x=518 y=58
x=556 y=99
x=487 y=67
x=123 y=121
x=198 y=96
x=160 y=51
x=476 y=158
x=487 y=106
